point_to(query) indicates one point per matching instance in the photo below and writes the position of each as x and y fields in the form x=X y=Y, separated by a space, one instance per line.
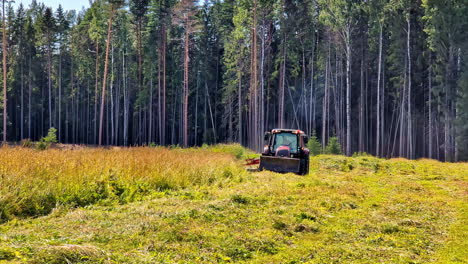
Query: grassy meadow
x=161 y=205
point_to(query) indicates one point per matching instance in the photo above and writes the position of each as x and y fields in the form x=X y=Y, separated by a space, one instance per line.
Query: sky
x=66 y=4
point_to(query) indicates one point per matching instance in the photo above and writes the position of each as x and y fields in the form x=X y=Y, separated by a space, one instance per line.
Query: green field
x=157 y=205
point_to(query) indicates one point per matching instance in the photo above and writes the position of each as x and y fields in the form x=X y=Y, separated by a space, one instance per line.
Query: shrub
x=41 y=145
x=46 y=141
x=26 y=143
x=51 y=136
x=314 y=145
x=333 y=147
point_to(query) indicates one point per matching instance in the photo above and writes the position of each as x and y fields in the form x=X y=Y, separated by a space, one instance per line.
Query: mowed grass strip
x=348 y=210
x=32 y=182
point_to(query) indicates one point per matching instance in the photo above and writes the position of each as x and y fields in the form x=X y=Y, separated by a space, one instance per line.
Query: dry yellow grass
x=34 y=182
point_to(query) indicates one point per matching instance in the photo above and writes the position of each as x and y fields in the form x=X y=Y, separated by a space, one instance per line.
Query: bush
x=26 y=143
x=45 y=142
x=333 y=147
x=51 y=136
x=41 y=145
x=314 y=145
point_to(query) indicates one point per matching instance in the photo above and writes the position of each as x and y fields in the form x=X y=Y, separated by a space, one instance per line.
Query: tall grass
x=33 y=182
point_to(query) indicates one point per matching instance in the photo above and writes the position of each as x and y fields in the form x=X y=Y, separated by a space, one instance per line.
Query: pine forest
x=385 y=77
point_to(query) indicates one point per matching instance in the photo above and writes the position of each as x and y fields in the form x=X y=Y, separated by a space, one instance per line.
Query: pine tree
x=48 y=27
x=235 y=56
x=185 y=12
x=139 y=8
x=314 y=146
x=333 y=147
x=96 y=31
x=113 y=6
x=340 y=15
x=4 y=62
x=62 y=35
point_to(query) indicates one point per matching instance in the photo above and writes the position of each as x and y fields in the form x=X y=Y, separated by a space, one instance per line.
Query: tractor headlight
x=266 y=149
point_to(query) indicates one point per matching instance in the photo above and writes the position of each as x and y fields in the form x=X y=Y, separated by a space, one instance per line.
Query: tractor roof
x=279 y=130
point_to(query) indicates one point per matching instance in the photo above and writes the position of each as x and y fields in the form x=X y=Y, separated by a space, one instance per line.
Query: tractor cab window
x=285 y=139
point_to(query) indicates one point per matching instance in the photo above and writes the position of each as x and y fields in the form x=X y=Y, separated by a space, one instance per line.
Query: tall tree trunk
x=96 y=93
x=430 y=110
x=377 y=139
x=402 y=115
x=22 y=101
x=336 y=102
x=262 y=82
x=150 y=124
x=230 y=123
x=159 y=98
x=456 y=108
x=140 y=56
x=117 y=111
x=304 y=111
x=60 y=98
x=382 y=113
x=195 y=130
x=348 y=90
x=186 y=84
x=312 y=92
x=163 y=111
x=30 y=97
x=448 y=106
x=104 y=79
x=254 y=126
x=410 y=127
x=126 y=100
x=325 y=102
x=281 y=123
x=239 y=103
x=72 y=95
x=111 y=110
x=49 y=76
x=4 y=75
x=362 y=102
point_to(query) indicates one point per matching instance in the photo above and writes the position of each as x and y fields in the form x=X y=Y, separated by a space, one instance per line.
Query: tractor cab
x=285 y=151
x=283 y=143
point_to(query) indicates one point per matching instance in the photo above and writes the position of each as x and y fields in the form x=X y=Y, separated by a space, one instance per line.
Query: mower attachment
x=280 y=164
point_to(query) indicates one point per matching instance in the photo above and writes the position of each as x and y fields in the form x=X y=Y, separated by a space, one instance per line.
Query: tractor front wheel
x=304 y=166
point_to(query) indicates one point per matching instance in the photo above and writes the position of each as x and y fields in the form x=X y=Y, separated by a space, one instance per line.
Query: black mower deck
x=280 y=164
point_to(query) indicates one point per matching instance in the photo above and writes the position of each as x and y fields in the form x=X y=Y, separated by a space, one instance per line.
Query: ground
x=155 y=205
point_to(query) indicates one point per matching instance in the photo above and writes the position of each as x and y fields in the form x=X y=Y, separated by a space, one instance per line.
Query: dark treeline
x=386 y=77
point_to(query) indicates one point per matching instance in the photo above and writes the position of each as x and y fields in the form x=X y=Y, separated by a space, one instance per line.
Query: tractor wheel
x=304 y=166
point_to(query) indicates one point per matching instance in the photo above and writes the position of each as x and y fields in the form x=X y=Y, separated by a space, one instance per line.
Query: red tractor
x=285 y=151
